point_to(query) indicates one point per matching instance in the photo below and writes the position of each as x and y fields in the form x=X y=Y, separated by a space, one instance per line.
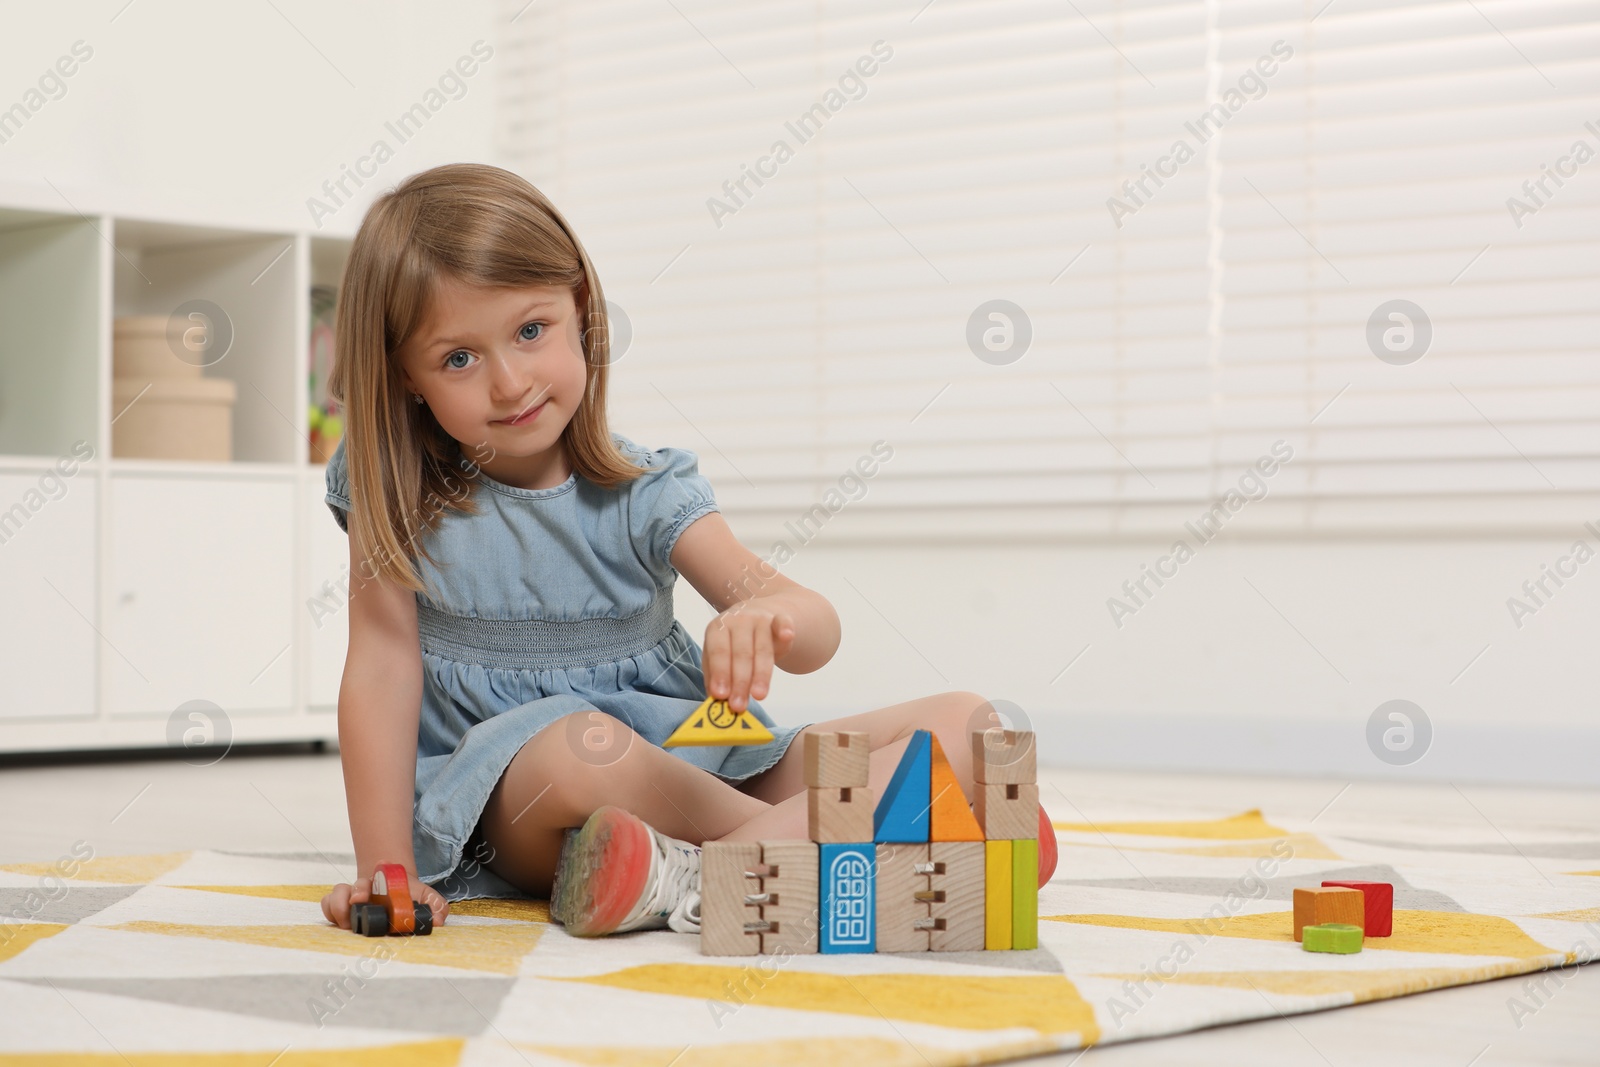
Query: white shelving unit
x=133 y=586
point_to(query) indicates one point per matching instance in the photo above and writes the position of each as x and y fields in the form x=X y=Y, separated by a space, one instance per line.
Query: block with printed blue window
x=848 y=904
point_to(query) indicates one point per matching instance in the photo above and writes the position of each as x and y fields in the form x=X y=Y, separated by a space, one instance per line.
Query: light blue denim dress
x=550 y=601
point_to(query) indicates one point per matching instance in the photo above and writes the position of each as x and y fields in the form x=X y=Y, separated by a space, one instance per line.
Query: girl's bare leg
x=554 y=782
x=950 y=716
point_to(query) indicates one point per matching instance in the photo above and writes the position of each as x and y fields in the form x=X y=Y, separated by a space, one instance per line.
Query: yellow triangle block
x=714 y=723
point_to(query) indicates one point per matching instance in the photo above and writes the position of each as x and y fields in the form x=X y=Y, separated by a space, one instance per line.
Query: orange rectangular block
x=1313 y=907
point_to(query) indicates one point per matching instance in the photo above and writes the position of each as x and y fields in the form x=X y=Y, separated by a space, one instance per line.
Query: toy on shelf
x=389 y=909
x=714 y=723
x=1378 y=912
x=918 y=872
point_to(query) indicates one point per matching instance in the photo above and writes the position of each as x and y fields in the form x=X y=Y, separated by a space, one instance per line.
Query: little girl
x=514 y=662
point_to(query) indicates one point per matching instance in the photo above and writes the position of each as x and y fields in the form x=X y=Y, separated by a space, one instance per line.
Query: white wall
x=235 y=113
x=1208 y=676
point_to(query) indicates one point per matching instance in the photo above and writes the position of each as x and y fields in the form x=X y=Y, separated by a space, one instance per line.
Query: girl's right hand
x=336 y=904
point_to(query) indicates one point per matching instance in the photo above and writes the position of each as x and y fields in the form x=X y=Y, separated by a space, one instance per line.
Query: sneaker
x=617 y=873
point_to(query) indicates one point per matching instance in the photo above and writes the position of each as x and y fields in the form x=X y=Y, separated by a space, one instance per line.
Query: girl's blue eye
x=523 y=333
x=449 y=360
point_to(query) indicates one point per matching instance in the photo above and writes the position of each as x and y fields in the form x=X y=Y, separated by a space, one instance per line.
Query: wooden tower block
x=997 y=894
x=836 y=760
x=1004 y=757
x=957 y=882
x=791 y=888
x=1008 y=812
x=1313 y=907
x=903 y=898
x=1025 y=893
x=847 y=909
x=1379 y=898
x=839 y=815
x=727 y=877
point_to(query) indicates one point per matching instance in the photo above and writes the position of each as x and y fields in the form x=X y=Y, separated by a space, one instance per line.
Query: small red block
x=1379 y=900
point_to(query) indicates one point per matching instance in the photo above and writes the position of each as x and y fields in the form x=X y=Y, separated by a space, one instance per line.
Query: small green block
x=1332 y=937
x=1025 y=894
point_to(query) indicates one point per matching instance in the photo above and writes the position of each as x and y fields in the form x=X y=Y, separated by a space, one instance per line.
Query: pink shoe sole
x=602 y=872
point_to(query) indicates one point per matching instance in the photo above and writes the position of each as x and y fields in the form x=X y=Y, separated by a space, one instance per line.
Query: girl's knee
x=573 y=753
x=968 y=711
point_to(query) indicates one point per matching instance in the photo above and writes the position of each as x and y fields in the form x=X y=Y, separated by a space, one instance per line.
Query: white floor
x=296 y=802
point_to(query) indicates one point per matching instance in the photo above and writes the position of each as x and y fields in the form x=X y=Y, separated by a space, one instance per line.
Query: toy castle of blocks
x=917 y=872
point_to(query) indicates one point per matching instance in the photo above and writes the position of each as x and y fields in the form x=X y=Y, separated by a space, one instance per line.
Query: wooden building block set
x=1339 y=916
x=912 y=871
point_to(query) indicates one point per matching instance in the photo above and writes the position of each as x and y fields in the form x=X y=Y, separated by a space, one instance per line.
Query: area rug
x=1148 y=928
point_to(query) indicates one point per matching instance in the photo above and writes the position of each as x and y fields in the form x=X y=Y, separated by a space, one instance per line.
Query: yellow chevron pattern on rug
x=1153 y=926
x=1047 y=1003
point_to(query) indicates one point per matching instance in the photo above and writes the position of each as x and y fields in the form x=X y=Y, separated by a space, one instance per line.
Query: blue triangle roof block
x=902 y=816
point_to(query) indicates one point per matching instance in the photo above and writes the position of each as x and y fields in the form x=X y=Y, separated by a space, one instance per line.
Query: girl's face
x=502 y=370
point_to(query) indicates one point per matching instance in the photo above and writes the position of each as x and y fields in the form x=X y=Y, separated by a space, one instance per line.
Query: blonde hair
x=481 y=225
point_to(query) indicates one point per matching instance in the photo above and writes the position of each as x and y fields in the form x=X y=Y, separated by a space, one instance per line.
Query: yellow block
x=997 y=894
x=1025 y=893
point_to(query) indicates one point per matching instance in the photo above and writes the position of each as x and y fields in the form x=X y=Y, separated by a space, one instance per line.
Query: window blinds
x=1359 y=233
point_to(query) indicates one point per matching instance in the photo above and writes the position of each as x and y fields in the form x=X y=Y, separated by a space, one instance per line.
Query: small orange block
x=1314 y=907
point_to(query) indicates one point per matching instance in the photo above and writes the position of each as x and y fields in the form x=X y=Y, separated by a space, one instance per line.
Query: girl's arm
x=380 y=701
x=765 y=618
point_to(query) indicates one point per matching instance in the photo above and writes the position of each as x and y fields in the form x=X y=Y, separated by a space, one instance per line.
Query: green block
x=1331 y=937
x=1025 y=893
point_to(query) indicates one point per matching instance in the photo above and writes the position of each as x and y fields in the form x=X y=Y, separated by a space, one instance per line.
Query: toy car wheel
x=369 y=920
x=424 y=918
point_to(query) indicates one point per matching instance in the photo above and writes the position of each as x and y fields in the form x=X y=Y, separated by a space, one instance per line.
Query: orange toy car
x=390 y=909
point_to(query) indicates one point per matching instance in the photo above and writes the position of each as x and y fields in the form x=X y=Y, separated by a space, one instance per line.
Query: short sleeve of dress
x=338 y=485
x=666 y=499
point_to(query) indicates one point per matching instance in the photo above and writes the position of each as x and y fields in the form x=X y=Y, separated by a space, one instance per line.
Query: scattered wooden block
x=836 y=760
x=729 y=925
x=950 y=815
x=957 y=882
x=847 y=906
x=1004 y=757
x=1314 y=907
x=1025 y=893
x=997 y=896
x=839 y=816
x=902 y=814
x=1008 y=812
x=792 y=890
x=903 y=898
x=1378 y=913
x=1332 y=937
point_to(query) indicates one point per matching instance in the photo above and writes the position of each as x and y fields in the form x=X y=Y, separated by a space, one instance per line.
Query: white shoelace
x=672 y=889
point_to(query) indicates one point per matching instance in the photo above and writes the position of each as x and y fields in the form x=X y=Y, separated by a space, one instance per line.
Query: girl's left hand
x=740 y=647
